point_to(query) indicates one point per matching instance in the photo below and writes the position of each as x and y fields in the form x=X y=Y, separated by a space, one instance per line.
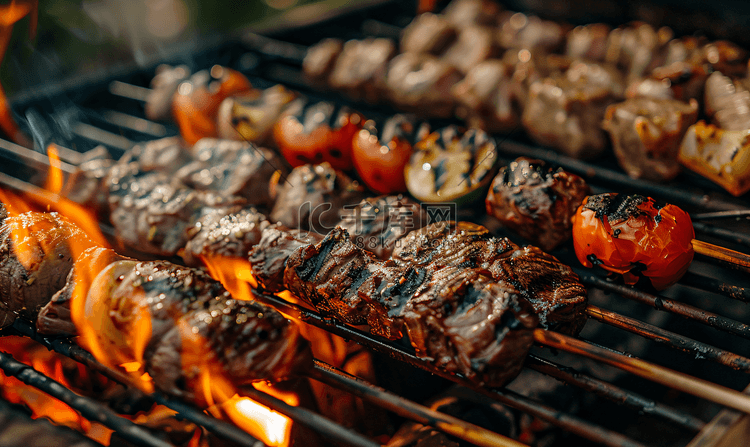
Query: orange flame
x=54 y=176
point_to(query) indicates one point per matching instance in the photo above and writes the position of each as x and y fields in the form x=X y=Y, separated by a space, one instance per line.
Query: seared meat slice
x=517 y=30
x=312 y=196
x=163 y=87
x=727 y=102
x=377 y=224
x=466 y=322
x=54 y=318
x=646 y=134
x=536 y=200
x=86 y=186
x=550 y=286
x=163 y=155
x=463 y=13
x=320 y=58
x=225 y=233
x=37 y=251
x=421 y=83
x=269 y=256
x=231 y=168
x=565 y=112
x=360 y=66
x=486 y=97
x=427 y=33
x=474 y=44
x=588 y=42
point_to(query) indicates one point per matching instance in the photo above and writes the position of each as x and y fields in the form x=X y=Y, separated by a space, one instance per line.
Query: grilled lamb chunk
x=377 y=224
x=646 y=134
x=312 y=196
x=163 y=155
x=360 y=66
x=588 y=42
x=536 y=200
x=649 y=88
x=638 y=48
x=427 y=33
x=487 y=98
x=320 y=58
x=163 y=87
x=231 y=168
x=517 y=30
x=727 y=102
x=558 y=297
x=3 y=213
x=225 y=233
x=269 y=256
x=421 y=83
x=86 y=186
x=54 y=318
x=35 y=258
x=473 y=45
x=565 y=112
x=464 y=13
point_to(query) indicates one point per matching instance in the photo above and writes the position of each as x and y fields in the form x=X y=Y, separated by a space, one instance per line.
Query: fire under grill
x=603 y=393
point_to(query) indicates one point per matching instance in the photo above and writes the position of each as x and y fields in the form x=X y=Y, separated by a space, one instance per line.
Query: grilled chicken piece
x=646 y=134
x=54 y=318
x=231 y=168
x=377 y=224
x=251 y=117
x=86 y=186
x=35 y=258
x=269 y=256
x=474 y=44
x=360 y=66
x=453 y=315
x=536 y=200
x=727 y=102
x=555 y=292
x=565 y=112
x=722 y=156
x=163 y=87
x=486 y=97
x=311 y=197
x=421 y=83
x=320 y=58
x=517 y=30
x=464 y=13
x=588 y=42
x=427 y=33
x=224 y=233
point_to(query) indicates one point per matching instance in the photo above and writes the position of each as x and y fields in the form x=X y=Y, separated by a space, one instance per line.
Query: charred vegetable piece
x=448 y=165
x=196 y=104
x=163 y=87
x=633 y=236
x=252 y=117
x=314 y=132
x=380 y=152
x=646 y=134
x=536 y=200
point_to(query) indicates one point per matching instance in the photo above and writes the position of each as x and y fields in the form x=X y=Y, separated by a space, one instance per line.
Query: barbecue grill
x=620 y=400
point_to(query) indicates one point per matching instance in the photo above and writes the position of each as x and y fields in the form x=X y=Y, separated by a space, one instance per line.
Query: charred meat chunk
x=536 y=200
x=360 y=66
x=377 y=224
x=427 y=33
x=86 y=185
x=727 y=102
x=646 y=134
x=165 y=155
x=463 y=13
x=638 y=48
x=565 y=112
x=320 y=58
x=588 y=42
x=486 y=97
x=163 y=87
x=269 y=256
x=473 y=45
x=517 y=30
x=312 y=196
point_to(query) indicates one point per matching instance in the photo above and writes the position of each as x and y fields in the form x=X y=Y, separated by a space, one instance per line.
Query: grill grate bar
x=614 y=393
x=67 y=348
x=727 y=235
x=703 y=282
x=668 y=338
x=675 y=307
x=89 y=408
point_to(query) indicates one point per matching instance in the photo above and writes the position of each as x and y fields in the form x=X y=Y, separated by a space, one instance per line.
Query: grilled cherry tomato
x=633 y=236
x=197 y=101
x=380 y=157
x=316 y=132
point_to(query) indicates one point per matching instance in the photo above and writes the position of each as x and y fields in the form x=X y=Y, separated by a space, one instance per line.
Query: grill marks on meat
x=558 y=297
x=268 y=258
x=35 y=258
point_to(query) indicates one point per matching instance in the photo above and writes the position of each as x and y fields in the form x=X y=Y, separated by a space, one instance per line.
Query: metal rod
x=567 y=422
x=736 y=214
x=89 y=408
x=68 y=349
x=303 y=416
x=337 y=378
x=655 y=373
x=722 y=233
x=101 y=136
x=614 y=393
x=130 y=91
x=703 y=282
x=134 y=123
x=665 y=304
x=698 y=349
x=730 y=258
x=32 y=157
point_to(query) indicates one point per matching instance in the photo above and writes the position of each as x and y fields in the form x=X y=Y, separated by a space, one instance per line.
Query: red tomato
x=314 y=133
x=633 y=236
x=197 y=101
x=380 y=157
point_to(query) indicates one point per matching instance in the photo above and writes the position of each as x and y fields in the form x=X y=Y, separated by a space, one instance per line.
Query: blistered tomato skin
x=633 y=236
